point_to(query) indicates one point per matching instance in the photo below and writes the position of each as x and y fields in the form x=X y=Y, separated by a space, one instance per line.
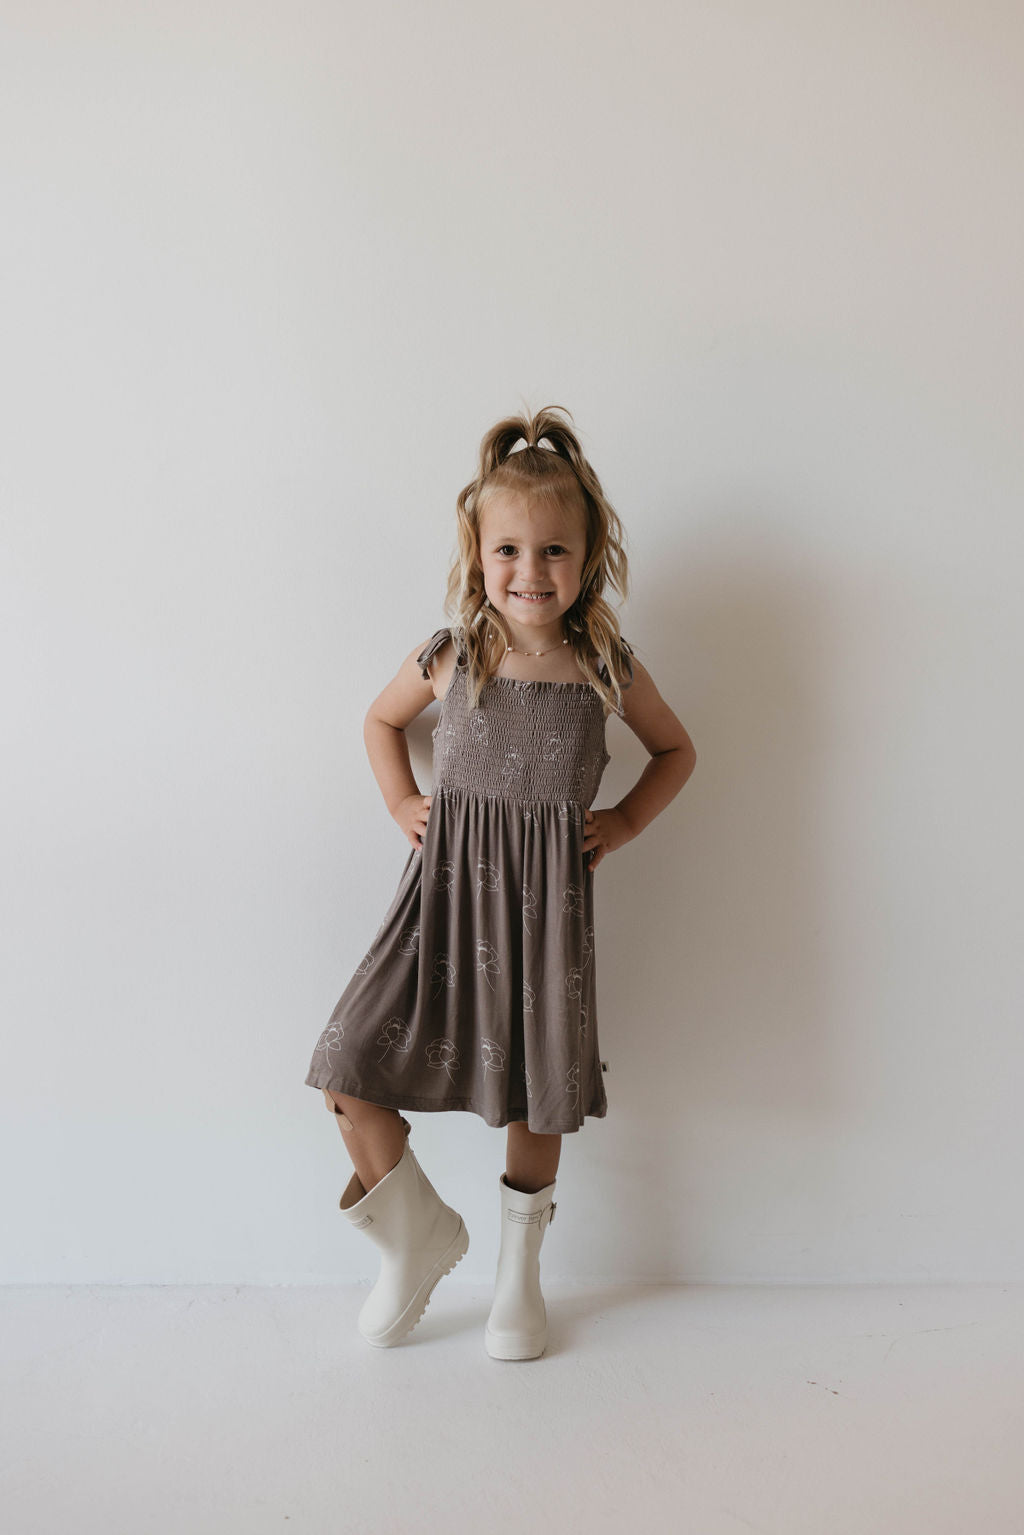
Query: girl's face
x=532 y=559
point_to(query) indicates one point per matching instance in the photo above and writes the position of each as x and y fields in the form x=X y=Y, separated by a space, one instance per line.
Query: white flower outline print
x=409 y=941
x=527 y=1079
x=443 y=1055
x=529 y=908
x=330 y=1040
x=572 y=900
x=571 y=813
x=573 y=1087
x=513 y=765
x=394 y=1035
x=487 y=960
x=444 y=875
x=493 y=1055
x=529 y=996
x=588 y=944
x=479 y=727
x=365 y=963
x=442 y=975
x=574 y=983
x=489 y=877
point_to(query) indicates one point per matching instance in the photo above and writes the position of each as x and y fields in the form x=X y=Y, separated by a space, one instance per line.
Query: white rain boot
x=517 y=1327
x=420 y=1238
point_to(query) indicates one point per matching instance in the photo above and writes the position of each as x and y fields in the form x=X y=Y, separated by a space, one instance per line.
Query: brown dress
x=478 y=991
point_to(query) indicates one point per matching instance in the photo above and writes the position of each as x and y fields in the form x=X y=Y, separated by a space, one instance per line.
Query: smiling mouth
x=532 y=596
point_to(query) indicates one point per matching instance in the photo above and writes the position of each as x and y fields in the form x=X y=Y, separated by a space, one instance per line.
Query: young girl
x=478 y=991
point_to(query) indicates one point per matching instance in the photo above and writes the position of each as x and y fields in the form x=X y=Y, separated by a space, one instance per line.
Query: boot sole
x=413 y=1313
x=500 y=1347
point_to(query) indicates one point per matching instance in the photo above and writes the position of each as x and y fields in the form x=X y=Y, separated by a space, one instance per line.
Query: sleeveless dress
x=478 y=991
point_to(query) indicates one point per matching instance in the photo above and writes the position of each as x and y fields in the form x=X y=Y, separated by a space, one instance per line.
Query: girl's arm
x=673 y=755
x=406 y=696
x=673 y=758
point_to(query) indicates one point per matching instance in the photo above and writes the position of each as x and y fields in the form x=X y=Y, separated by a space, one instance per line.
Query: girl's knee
x=351 y=1112
x=338 y=1103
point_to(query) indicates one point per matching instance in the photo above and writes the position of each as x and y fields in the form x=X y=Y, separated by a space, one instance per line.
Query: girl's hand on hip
x=411 y=815
x=604 y=831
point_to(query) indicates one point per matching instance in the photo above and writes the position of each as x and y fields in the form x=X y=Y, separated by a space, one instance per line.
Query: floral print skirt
x=478 y=991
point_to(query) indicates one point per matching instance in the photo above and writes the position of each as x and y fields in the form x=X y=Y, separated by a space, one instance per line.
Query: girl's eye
x=557 y=548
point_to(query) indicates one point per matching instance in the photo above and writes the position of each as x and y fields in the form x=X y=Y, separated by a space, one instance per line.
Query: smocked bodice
x=525 y=740
x=528 y=741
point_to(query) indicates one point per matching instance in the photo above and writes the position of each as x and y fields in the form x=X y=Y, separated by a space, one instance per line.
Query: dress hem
x=436 y=1105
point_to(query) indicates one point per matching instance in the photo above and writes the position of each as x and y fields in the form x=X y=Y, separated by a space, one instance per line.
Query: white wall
x=271 y=271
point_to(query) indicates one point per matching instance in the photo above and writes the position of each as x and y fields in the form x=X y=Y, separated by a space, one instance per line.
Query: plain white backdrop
x=270 y=273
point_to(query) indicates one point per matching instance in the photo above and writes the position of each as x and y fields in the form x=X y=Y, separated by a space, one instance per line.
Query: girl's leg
x=374 y=1136
x=531 y=1160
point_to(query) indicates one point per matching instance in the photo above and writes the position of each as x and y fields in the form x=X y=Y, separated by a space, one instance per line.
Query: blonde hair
x=560 y=475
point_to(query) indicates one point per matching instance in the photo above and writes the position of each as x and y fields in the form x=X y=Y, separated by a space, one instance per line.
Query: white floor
x=699 y=1408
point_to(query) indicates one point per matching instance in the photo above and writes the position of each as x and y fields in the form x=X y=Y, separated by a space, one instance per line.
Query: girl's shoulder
x=626 y=652
x=447 y=656
x=434 y=646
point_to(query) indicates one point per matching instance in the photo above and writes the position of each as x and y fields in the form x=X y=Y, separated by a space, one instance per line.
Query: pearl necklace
x=511 y=648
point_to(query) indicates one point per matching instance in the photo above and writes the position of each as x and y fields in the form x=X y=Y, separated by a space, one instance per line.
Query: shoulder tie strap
x=627 y=651
x=433 y=645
